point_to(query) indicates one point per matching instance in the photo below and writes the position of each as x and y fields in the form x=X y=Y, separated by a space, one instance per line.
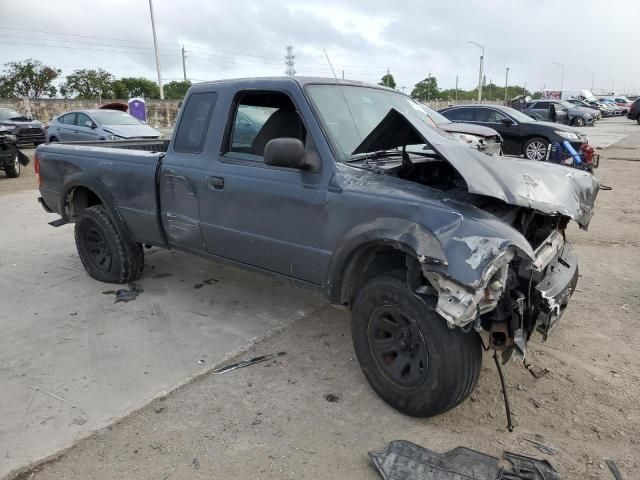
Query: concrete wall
x=160 y=113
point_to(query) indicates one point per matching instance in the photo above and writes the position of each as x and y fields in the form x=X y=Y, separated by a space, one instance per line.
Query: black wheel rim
x=398 y=347
x=97 y=249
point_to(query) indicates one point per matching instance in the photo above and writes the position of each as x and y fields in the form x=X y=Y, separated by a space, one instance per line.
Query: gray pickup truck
x=431 y=247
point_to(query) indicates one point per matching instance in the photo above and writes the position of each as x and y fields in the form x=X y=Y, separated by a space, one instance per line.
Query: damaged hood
x=548 y=188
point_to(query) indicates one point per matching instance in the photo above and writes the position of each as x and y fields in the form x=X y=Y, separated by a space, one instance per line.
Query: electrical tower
x=288 y=61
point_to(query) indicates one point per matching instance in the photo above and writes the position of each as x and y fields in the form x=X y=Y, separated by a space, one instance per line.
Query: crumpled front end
x=516 y=290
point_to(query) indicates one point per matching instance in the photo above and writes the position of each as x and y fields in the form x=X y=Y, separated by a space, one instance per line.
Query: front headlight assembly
x=567 y=135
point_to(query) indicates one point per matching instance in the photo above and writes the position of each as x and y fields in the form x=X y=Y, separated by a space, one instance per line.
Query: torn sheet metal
x=543 y=186
x=403 y=460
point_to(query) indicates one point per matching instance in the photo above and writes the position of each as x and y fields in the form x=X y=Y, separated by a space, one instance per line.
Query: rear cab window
x=194 y=122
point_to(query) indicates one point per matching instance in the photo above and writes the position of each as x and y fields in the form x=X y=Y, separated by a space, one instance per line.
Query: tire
x=638 y=119
x=13 y=170
x=578 y=122
x=104 y=254
x=53 y=139
x=536 y=149
x=390 y=325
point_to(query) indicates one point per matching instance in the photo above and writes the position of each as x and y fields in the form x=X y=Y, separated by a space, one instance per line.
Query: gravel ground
x=273 y=420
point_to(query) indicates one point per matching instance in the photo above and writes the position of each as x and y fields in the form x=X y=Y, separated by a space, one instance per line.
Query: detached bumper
x=551 y=295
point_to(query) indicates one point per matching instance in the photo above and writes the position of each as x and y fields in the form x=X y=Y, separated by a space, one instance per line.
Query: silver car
x=94 y=125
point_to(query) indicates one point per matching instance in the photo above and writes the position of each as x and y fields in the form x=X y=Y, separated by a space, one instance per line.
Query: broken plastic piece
x=127 y=295
x=246 y=363
x=403 y=460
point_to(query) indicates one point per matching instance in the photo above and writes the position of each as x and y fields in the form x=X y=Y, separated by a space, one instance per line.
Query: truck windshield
x=350 y=115
x=113 y=117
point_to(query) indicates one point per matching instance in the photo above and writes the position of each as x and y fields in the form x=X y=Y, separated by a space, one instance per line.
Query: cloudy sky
x=225 y=39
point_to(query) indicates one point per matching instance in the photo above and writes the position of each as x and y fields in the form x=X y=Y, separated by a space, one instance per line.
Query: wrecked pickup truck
x=430 y=247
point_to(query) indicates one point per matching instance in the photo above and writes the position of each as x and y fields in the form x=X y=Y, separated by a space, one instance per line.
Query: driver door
x=82 y=132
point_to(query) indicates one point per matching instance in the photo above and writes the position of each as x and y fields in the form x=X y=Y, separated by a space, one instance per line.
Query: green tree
x=176 y=90
x=388 y=81
x=135 y=87
x=88 y=84
x=29 y=78
x=426 y=89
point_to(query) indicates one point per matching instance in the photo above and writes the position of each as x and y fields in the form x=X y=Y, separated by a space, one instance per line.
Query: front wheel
x=578 y=122
x=638 y=119
x=13 y=170
x=536 y=149
x=103 y=252
x=408 y=354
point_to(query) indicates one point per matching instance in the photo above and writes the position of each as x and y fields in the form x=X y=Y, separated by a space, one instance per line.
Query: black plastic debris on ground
x=403 y=460
x=246 y=363
x=128 y=294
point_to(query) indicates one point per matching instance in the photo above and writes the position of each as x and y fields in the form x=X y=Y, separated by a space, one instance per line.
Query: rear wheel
x=408 y=354
x=13 y=170
x=638 y=119
x=103 y=252
x=536 y=149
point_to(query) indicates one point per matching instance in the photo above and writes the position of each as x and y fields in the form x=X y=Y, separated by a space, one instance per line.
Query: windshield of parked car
x=351 y=112
x=8 y=114
x=113 y=117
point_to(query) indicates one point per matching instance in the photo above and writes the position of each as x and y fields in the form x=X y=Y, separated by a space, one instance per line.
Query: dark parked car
x=634 y=111
x=11 y=159
x=25 y=129
x=427 y=248
x=100 y=124
x=521 y=134
x=559 y=111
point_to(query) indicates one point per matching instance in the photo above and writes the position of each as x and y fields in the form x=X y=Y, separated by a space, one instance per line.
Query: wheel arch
x=386 y=244
x=82 y=190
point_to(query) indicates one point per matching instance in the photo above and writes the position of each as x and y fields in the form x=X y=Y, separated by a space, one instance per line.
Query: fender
x=404 y=235
x=83 y=179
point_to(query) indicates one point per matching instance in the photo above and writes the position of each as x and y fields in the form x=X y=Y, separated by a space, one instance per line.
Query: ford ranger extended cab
x=431 y=247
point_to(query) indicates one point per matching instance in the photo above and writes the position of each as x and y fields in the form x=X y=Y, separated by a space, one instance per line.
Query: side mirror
x=285 y=152
x=90 y=124
x=507 y=122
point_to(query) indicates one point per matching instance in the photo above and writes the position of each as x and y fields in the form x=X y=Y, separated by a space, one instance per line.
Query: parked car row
x=522 y=135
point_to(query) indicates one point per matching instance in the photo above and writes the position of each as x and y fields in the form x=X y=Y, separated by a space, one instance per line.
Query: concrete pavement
x=72 y=360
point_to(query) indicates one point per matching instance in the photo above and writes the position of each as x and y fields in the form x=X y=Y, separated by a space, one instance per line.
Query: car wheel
x=13 y=170
x=536 y=149
x=578 y=122
x=53 y=139
x=638 y=119
x=408 y=354
x=103 y=252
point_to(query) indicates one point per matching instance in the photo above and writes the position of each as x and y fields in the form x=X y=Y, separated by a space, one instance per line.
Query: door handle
x=215 y=183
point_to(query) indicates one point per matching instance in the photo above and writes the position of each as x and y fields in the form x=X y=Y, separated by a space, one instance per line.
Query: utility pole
x=155 y=46
x=289 y=61
x=343 y=74
x=613 y=90
x=593 y=79
x=456 y=88
x=506 y=85
x=481 y=47
x=562 y=76
x=184 y=65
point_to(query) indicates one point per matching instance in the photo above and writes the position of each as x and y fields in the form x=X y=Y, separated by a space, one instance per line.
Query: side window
x=498 y=117
x=81 y=118
x=484 y=115
x=259 y=117
x=541 y=106
x=68 y=119
x=460 y=115
x=194 y=122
